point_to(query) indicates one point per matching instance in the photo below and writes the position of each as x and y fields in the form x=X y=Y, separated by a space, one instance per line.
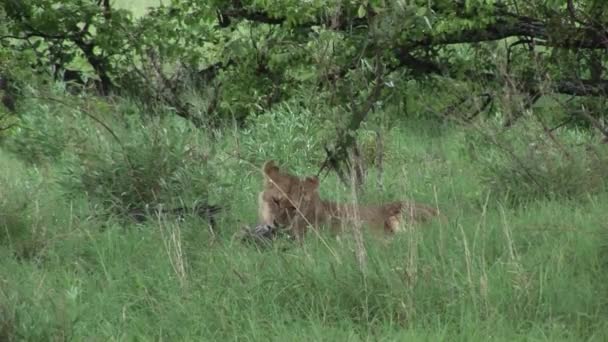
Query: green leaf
x=361 y=12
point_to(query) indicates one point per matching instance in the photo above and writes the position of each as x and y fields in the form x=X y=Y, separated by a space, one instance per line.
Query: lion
x=294 y=202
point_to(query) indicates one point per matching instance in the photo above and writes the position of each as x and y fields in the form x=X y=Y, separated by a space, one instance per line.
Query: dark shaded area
x=207 y=212
x=7 y=96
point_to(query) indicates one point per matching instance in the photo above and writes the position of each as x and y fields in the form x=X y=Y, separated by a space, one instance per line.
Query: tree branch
x=340 y=22
x=582 y=87
x=347 y=138
x=505 y=25
x=417 y=65
x=508 y=25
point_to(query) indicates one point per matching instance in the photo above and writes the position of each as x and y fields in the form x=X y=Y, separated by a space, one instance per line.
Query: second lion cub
x=290 y=201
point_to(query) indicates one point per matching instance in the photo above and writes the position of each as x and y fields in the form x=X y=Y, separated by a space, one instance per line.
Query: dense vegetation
x=125 y=125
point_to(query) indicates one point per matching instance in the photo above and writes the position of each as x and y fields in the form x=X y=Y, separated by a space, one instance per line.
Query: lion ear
x=270 y=168
x=312 y=183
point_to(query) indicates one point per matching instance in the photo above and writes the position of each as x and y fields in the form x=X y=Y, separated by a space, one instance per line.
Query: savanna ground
x=520 y=257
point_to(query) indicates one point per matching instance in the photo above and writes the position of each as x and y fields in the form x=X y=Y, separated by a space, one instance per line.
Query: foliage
x=253 y=55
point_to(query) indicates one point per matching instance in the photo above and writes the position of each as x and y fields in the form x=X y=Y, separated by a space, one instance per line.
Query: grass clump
x=7 y=322
x=27 y=211
x=157 y=164
x=526 y=164
x=41 y=135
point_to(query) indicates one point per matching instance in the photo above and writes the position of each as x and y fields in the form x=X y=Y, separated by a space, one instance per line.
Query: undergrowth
x=526 y=163
x=155 y=164
x=493 y=270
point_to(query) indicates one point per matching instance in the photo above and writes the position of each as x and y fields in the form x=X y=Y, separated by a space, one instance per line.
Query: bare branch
x=582 y=87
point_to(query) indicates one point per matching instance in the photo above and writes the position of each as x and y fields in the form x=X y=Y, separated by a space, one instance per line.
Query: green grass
x=536 y=271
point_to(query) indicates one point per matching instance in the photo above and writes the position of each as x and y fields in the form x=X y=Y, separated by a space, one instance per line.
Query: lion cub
x=290 y=201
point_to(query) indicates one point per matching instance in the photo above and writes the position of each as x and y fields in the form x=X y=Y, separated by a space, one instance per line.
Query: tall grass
x=493 y=271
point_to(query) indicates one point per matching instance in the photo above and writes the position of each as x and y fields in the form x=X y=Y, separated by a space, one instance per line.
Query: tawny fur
x=288 y=200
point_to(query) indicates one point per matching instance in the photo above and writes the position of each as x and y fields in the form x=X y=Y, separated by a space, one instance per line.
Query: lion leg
x=266 y=210
x=299 y=227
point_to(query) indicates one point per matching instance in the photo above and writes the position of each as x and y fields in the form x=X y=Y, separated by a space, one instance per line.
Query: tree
x=245 y=56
